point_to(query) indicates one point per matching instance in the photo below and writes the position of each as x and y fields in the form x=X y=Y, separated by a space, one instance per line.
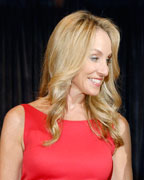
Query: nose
x=103 y=68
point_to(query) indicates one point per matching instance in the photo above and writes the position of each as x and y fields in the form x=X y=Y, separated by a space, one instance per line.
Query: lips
x=96 y=81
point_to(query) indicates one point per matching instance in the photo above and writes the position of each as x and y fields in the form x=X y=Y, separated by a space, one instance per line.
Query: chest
x=78 y=154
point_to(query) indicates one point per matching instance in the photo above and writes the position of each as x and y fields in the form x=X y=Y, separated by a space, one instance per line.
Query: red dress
x=78 y=155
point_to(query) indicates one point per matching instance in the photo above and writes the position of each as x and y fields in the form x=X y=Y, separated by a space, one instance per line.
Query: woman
x=73 y=130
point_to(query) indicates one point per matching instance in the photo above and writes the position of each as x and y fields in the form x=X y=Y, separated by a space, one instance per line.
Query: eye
x=94 y=58
x=108 y=60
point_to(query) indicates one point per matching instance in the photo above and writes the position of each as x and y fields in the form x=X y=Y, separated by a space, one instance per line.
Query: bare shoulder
x=122 y=162
x=15 y=116
x=123 y=125
x=11 y=143
x=13 y=125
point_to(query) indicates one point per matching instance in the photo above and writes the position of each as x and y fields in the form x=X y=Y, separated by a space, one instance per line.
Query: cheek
x=80 y=81
x=81 y=78
x=77 y=79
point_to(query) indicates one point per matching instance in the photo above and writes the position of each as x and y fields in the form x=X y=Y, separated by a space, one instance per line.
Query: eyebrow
x=98 y=51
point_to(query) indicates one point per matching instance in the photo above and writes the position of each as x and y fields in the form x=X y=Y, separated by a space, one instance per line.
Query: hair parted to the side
x=64 y=57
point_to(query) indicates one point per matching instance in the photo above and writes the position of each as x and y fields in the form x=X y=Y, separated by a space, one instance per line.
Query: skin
x=96 y=66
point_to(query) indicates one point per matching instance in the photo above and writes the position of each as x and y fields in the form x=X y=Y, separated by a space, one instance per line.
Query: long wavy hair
x=64 y=57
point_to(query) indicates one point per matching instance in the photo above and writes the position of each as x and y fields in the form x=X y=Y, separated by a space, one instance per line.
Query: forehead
x=101 y=41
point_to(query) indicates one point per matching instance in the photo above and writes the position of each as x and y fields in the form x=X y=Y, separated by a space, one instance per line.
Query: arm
x=122 y=167
x=11 y=145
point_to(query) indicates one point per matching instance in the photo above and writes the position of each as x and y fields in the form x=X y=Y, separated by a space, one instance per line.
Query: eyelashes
x=95 y=59
x=109 y=60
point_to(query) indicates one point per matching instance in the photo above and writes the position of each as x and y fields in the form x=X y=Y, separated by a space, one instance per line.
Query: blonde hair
x=64 y=57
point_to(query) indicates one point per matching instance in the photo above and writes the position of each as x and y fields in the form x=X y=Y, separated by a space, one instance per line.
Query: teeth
x=95 y=80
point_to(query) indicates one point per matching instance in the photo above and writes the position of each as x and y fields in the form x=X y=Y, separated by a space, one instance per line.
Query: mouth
x=96 y=81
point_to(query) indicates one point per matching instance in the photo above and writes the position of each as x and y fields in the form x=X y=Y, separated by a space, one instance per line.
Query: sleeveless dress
x=78 y=155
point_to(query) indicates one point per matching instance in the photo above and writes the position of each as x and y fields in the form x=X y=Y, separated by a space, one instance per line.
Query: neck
x=75 y=98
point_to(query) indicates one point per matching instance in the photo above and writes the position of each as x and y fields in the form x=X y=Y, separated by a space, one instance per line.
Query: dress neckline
x=66 y=120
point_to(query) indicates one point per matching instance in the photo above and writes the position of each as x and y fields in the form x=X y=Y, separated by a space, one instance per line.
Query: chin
x=92 y=93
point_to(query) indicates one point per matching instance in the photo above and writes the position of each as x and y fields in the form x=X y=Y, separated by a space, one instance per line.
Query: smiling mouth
x=95 y=81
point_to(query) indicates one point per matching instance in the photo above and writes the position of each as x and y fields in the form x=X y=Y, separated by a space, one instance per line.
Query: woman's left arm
x=122 y=163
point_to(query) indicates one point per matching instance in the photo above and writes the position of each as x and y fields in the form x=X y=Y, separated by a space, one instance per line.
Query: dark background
x=25 y=26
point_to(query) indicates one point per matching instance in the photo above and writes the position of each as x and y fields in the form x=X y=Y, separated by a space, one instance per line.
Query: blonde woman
x=73 y=131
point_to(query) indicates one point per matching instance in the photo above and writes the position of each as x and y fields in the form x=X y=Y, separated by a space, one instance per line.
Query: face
x=90 y=78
